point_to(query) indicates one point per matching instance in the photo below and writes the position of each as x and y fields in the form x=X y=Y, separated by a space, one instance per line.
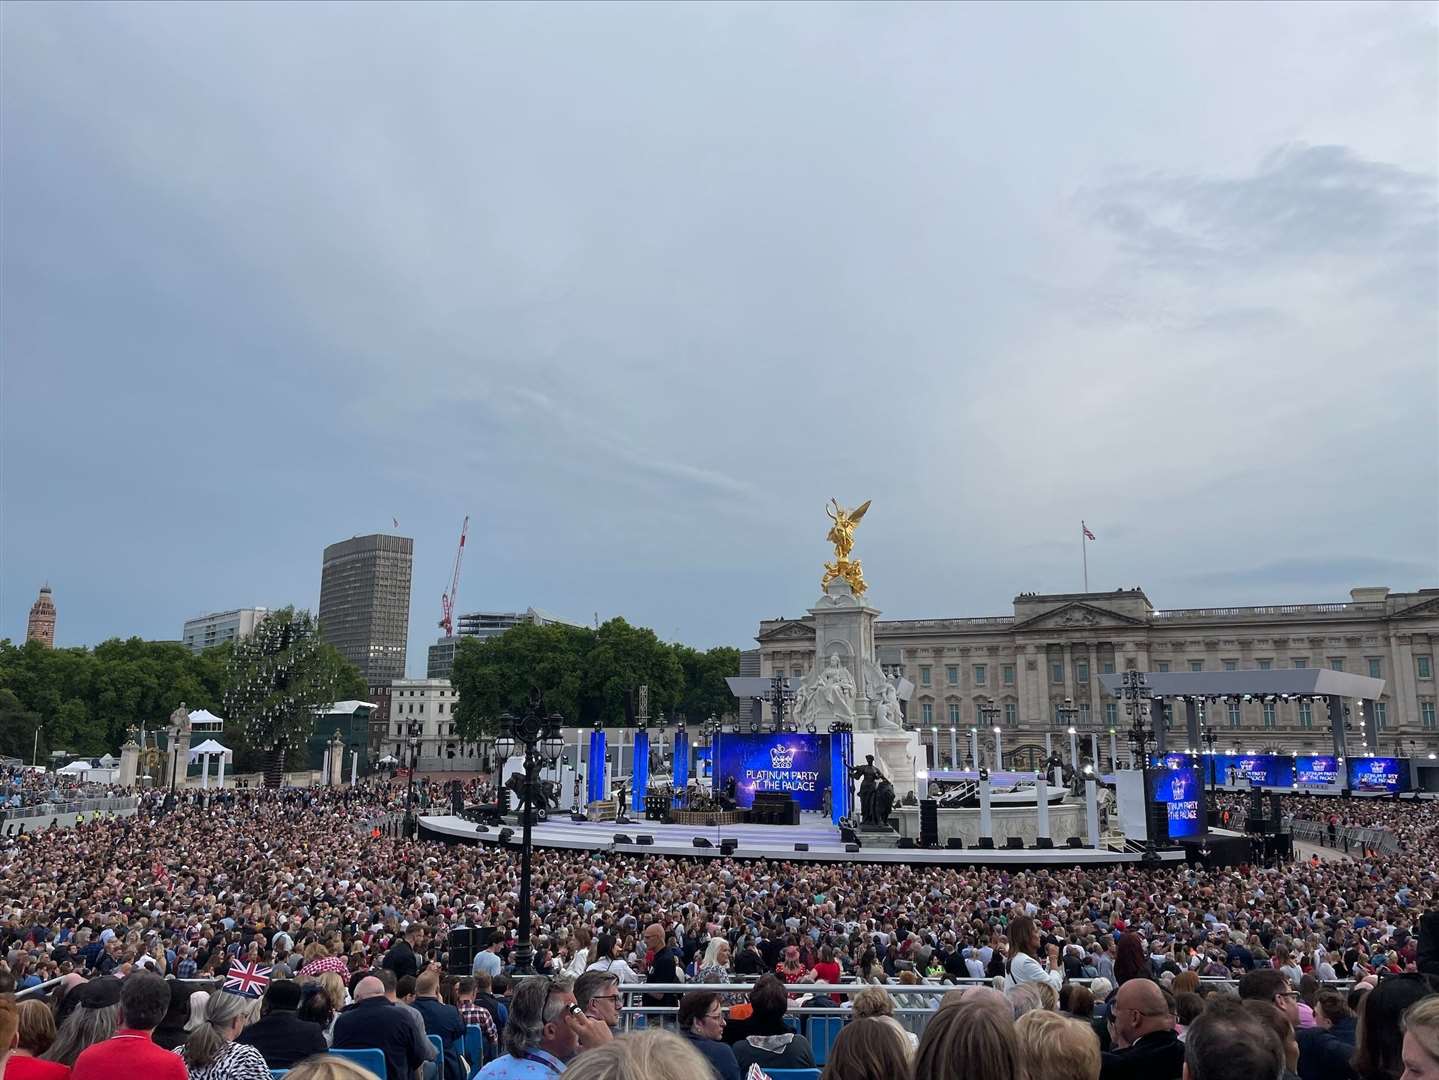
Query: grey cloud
x=1324 y=570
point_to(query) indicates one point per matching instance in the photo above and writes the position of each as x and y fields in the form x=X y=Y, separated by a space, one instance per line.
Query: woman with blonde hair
x=211 y=1053
x=35 y=1034
x=1058 y=1047
x=874 y=1048
x=970 y=1040
x=1420 y=1025
x=653 y=1054
x=328 y=1067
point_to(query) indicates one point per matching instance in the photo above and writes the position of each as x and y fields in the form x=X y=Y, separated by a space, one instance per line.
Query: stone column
x=1096 y=701
x=1068 y=671
x=204 y=772
x=336 y=775
x=1041 y=807
x=974 y=747
x=953 y=747
x=998 y=748
x=220 y=773
x=986 y=819
x=1091 y=811
x=129 y=763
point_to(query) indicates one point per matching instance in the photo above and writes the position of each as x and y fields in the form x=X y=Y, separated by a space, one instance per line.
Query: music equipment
x=774 y=808
x=728 y=844
x=505 y=834
x=701 y=841
x=644 y=839
x=987 y=843
x=463 y=944
x=955 y=843
x=851 y=848
x=801 y=847
x=847 y=835
x=928 y=823
x=621 y=838
x=1044 y=841
x=1074 y=841
x=1276 y=812
x=906 y=842
x=1014 y=842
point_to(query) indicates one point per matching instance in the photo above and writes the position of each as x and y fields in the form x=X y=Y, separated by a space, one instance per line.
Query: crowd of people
x=350 y=923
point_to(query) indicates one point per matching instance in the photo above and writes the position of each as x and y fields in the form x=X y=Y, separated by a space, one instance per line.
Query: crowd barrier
x=40 y=815
x=1346 y=838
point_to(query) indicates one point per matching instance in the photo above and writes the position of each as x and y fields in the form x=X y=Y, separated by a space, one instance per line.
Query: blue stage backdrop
x=841 y=760
x=798 y=765
x=1311 y=770
x=641 y=778
x=682 y=765
x=595 y=770
x=1378 y=774
x=1182 y=792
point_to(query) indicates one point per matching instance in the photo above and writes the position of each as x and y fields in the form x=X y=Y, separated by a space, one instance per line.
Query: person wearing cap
x=280 y=1035
x=130 y=1054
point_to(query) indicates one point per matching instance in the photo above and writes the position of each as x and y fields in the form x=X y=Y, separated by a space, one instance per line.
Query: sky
x=640 y=287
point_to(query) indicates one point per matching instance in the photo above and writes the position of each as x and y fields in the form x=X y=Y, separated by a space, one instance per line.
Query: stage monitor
x=1316 y=771
x=1384 y=774
x=796 y=764
x=1182 y=793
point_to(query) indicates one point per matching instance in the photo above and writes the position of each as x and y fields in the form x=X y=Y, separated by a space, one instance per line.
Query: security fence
x=1346 y=838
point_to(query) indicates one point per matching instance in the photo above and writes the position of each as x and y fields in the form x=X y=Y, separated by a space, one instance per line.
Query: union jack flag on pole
x=247 y=980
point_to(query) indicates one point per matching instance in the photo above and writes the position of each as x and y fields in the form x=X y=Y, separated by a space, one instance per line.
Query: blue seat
x=439 y=1045
x=477 y=1048
x=275 y=1074
x=369 y=1060
x=823 y=1030
x=792 y=1074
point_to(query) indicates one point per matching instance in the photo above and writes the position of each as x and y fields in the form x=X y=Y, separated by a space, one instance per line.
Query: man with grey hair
x=546 y=1029
x=1227 y=1042
x=598 y=994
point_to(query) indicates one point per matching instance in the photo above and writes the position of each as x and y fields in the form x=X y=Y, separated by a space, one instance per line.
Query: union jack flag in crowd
x=247 y=980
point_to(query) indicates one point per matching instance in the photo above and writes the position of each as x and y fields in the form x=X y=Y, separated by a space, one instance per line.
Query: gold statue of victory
x=841 y=535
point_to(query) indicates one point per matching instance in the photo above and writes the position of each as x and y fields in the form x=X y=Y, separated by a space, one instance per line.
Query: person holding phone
x=1024 y=951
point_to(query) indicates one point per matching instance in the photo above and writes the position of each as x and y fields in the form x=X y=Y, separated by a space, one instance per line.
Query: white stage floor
x=763 y=842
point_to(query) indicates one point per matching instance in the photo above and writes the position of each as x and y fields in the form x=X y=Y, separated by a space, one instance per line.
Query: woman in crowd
x=211 y=1053
x=1420 y=1052
x=653 y=1054
x=762 y=1038
x=36 y=1034
x=969 y=1040
x=790 y=969
x=609 y=953
x=197 y=1002
x=328 y=1067
x=714 y=968
x=1056 y=1047
x=1129 y=959
x=1379 y=1041
x=94 y=1019
x=877 y=1003
x=1024 y=964
x=702 y=1023
x=872 y=1048
x=580 y=942
x=1080 y=1002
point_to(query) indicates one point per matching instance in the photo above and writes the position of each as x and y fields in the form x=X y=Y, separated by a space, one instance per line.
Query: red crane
x=447 y=601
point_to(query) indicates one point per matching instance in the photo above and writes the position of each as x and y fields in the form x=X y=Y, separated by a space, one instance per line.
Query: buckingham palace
x=1036 y=671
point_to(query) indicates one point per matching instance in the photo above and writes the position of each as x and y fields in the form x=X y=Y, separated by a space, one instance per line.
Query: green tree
x=18 y=725
x=494 y=675
x=624 y=658
x=705 y=692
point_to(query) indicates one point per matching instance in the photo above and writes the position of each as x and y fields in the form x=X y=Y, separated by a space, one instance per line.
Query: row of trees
x=587 y=675
x=85 y=700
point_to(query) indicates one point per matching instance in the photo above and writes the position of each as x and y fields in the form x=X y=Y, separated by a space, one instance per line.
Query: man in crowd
x=130 y=1054
x=440 y=1019
x=1146 y=1046
x=403 y=958
x=1227 y=1042
x=663 y=966
x=546 y=1030
x=487 y=960
x=598 y=994
x=472 y=1012
x=374 y=1022
x=280 y=1035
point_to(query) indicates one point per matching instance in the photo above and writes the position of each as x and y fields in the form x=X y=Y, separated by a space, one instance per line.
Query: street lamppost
x=413 y=741
x=539 y=737
x=1067 y=714
x=989 y=712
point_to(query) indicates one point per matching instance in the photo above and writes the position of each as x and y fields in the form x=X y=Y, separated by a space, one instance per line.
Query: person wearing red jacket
x=130 y=1054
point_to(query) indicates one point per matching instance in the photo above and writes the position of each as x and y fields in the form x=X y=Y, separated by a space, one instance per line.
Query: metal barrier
x=104 y=805
x=1347 y=838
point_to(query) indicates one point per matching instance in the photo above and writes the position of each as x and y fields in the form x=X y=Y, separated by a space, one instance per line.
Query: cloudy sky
x=640 y=287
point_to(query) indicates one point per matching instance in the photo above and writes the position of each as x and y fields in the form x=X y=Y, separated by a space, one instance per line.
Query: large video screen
x=1258 y=770
x=1316 y=770
x=1182 y=792
x=797 y=764
x=1378 y=774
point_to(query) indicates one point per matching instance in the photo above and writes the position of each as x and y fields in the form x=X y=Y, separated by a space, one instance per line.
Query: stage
x=764 y=842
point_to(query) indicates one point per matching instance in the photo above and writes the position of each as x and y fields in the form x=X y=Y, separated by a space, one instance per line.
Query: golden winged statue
x=841 y=535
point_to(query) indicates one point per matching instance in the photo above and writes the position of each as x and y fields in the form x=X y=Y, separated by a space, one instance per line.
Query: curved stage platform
x=764 y=842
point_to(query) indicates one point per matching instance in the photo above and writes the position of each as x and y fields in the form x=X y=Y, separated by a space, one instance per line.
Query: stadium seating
x=370 y=1060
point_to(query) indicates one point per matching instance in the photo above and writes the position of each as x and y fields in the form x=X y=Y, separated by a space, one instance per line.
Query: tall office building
x=41 y=627
x=482 y=624
x=207 y=631
x=365 y=603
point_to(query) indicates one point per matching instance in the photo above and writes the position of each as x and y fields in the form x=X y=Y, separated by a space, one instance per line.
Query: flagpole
x=1084 y=549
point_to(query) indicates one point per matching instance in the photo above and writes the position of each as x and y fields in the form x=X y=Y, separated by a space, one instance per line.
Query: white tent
x=204 y=752
x=205 y=720
x=210 y=746
x=75 y=768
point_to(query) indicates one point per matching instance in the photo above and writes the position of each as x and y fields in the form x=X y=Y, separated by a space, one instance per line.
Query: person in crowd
x=1326 y=1049
x=403 y=957
x=35 y=1036
x=328 y=1067
x=714 y=967
x=472 y=1013
x=440 y=1019
x=93 y=1016
x=1024 y=951
x=1379 y=1039
x=374 y=1022
x=211 y=1052
x=1145 y=1045
x=1187 y=1008
x=9 y=1030
x=609 y=958
x=1057 y=1047
x=176 y=1025
x=1130 y=961
x=487 y=961
x=580 y=942
x=763 y=1038
x=597 y=993
x=702 y=1022
x=969 y=1040
x=872 y=1048
x=401 y=993
x=1420 y=1050
x=281 y=1037
x=130 y=1053
x=545 y=1031
x=1079 y=1003
x=1228 y=1042
x=663 y=966
x=653 y=1054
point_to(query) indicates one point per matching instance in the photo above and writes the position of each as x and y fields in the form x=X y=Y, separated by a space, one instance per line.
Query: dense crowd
x=302 y=882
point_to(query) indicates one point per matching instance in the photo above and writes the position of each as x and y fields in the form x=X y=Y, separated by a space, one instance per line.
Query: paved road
x=1303 y=850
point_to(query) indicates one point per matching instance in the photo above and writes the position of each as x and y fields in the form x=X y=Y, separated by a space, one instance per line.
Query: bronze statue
x=841 y=535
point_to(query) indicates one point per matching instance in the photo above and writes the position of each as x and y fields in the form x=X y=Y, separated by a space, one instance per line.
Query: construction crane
x=447 y=601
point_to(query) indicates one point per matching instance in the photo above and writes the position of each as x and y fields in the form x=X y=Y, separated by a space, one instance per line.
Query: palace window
x=1269 y=716
x=954 y=714
x=1006 y=674
x=1424 y=666
x=924 y=676
x=1235 y=714
x=1056 y=672
x=1266 y=665
x=980 y=674
x=1336 y=663
x=1376 y=668
x=1231 y=665
x=1299 y=662
x=1426 y=715
x=926 y=713
x=1111 y=714
x=1306 y=715
x=1011 y=713
x=1381 y=715
x=1081 y=671
x=1162 y=665
x=951 y=674
x=1084 y=714
x=1107 y=667
x=1196 y=665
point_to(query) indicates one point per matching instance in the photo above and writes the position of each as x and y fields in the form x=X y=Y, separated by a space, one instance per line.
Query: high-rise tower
x=365 y=602
x=42 y=619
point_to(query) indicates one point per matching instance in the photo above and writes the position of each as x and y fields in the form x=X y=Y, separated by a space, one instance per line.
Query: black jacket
x=1428 y=948
x=1156 y=1056
x=720 y=1056
x=377 y=1024
x=283 y=1038
x=1324 y=1055
x=401 y=959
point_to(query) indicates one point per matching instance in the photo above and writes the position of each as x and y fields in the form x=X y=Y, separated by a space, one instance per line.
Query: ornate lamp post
x=414 y=731
x=990 y=715
x=1135 y=692
x=539 y=737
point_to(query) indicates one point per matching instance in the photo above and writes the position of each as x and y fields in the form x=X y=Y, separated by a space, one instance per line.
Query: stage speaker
x=929 y=823
x=700 y=841
x=1014 y=842
x=577 y=816
x=621 y=838
x=644 y=839
x=1074 y=841
x=906 y=842
x=463 y=946
x=505 y=834
x=1044 y=841
x=482 y=828
x=850 y=849
x=987 y=843
x=1276 y=812
x=955 y=843
x=847 y=835
x=801 y=847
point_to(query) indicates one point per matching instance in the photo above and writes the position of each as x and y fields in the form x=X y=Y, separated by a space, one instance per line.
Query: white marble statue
x=887 y=714
x=835 y=687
